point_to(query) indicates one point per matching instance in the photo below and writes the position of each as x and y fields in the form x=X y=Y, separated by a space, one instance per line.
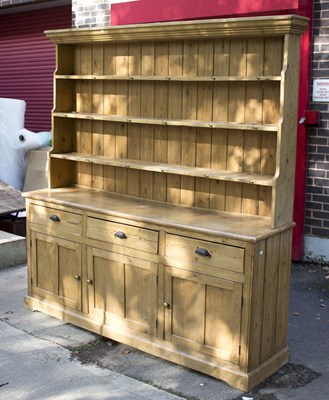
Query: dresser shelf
x=243 y=177
x=171 y=78
x=168 y=122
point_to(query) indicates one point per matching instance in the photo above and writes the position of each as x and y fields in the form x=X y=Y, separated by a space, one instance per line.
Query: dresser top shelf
x=235 y=226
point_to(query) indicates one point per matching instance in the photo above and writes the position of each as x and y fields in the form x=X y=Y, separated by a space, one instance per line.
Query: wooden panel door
x=203 y=314
x=122 y=291
x=56 y=270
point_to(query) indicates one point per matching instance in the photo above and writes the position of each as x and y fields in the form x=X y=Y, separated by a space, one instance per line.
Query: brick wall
x=317 y=185
x=91 y=13
x=317 y=206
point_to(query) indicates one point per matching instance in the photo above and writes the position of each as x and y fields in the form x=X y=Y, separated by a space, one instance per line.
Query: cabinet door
x=203 y=314
x=56 y=269
x=122 y=291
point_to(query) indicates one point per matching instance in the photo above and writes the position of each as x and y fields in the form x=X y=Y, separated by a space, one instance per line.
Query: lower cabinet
x=56 y=270
x=210 y=303
x=122 y=291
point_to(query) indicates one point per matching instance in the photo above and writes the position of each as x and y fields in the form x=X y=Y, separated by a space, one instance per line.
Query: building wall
x=317 y=200
x=28 y=58
x=92 y=13
x=5 y=3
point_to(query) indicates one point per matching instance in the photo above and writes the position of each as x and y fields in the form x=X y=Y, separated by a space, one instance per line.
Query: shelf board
x=168 y=122
x=243 y=177
x=254 y=78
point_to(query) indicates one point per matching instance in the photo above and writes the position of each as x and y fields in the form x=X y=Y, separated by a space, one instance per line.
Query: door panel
x=123 y=291
x=203 y=314
x=57 y=270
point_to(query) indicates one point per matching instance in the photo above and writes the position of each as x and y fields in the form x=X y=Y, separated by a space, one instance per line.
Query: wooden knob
x=166 y=304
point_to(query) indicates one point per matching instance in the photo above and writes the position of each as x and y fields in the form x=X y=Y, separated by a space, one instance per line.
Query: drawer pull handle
x=77 y=277
x=55 y=218
x=166 y=304
x=89 y=281
x=202 y=252
x=120 y=235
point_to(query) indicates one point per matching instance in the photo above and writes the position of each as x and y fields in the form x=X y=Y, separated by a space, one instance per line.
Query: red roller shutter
x=27 y=61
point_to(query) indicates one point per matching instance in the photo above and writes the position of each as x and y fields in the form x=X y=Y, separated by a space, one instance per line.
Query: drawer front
x=124 y=235
x=57 y=221
x=191 y=252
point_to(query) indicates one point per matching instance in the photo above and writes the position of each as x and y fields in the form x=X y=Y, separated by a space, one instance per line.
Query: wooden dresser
x=167 y=225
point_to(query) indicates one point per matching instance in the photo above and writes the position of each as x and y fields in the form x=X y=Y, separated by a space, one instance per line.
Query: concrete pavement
x=36 y=363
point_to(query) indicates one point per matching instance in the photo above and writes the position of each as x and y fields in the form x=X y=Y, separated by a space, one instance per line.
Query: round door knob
x=89 y=281
x=166 y=304
x=77 y=277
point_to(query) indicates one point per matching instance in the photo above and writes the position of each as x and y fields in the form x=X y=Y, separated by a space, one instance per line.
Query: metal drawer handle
x=120 y=235
x=55 y=218
x=202 y=252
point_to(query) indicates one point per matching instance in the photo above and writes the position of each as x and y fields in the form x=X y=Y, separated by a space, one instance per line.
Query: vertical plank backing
x=271 y=115
x=175 y=112
x=220 y=113
x=121 y=100
x=190 y=68
x=134 y=109
x=65 y=55
x=205 y=64
x=235 y=140
x=147 y=110
x=85 y=107
x=110 y=109
x=253 y=114
x=161 y=99
x=98 y=108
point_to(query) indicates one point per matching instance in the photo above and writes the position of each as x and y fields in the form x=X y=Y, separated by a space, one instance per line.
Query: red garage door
x=27 y=61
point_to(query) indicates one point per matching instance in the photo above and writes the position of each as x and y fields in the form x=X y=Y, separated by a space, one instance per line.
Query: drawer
x=56 y=221
x=187 y=251
x=124 y=235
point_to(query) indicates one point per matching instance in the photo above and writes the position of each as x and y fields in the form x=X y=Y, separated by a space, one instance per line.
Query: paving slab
x=35 y=361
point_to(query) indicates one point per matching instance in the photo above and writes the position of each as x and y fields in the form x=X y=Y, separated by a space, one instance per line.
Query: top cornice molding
x=196 y=29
